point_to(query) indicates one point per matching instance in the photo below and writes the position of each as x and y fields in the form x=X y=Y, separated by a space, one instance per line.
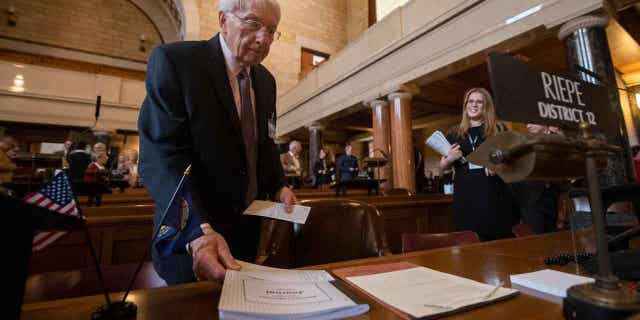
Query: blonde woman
x=481 y=201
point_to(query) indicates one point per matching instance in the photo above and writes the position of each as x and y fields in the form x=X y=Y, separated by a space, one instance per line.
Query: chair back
x=336 y=230
x=78 y=283
x=426 y=241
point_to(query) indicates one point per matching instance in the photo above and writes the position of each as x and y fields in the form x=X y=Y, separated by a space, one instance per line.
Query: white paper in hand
x=438 y=142
x=275 y=210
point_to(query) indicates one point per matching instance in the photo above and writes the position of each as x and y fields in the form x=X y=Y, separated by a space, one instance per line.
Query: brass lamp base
x=592 y=302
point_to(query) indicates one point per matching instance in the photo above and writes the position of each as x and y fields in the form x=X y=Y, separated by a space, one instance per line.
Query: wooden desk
x=490 y=262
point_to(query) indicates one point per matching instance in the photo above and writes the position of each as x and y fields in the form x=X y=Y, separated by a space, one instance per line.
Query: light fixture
x=18 y=84
x=524 y=14
x=11 y=16
x=143 y=40
x=317 y=60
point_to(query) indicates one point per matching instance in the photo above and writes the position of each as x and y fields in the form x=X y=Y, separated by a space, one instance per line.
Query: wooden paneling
x=117 y=240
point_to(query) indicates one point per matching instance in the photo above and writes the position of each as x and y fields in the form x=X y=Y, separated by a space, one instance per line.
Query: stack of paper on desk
x=412 y=291
x=549 y=281
x=269 y=293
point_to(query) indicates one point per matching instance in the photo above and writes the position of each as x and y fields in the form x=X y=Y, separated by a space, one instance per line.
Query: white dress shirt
x=233 y=69
x=296 y=163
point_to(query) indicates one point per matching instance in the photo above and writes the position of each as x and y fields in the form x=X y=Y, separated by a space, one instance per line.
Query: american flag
x=56 y=196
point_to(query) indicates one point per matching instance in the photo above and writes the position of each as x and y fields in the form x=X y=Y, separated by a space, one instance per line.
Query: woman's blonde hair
x=488 y=114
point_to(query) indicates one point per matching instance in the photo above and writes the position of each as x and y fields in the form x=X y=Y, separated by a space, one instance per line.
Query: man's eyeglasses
x=255 y=25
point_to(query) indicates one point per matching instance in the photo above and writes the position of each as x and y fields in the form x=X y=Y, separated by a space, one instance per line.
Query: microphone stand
x=110 y=310
x=96 y=116
x=127 y=310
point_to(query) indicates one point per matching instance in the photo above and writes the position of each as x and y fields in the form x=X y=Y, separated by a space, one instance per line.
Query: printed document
x=422 y=292
x=291 y=294
x=275 y=210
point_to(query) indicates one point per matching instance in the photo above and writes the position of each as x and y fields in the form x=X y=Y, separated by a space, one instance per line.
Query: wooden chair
x=336 y=230
x=427 y=241
x=522 y=230
x=77 y=283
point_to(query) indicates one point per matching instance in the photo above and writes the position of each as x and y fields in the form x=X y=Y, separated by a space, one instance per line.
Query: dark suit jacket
x=78 y=160
x=348 y=167
x=189 y=117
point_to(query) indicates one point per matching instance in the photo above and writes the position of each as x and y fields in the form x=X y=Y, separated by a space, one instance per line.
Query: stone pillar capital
x=588 y=21
x=376 y=102
x=315 y=126
x=399 y=94
x=280 y=140
x=102 y=132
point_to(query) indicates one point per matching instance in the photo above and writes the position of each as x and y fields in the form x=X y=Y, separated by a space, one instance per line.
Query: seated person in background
x=348 y=165
x=430 y=183
x=121 y=171
x=7 y=153
x=538 y=200
x=323 y=170
x=291 y=164
x=79 y=159
x=131 y=163
x=64 y=152
x=635 y=153
x=97 y=176
x=421 y=180
x=101 y=147
x=121 y=167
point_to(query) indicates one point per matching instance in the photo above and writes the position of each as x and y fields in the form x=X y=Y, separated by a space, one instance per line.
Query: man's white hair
x=234 y=5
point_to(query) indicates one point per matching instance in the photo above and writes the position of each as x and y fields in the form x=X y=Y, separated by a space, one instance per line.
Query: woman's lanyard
x=473 y=142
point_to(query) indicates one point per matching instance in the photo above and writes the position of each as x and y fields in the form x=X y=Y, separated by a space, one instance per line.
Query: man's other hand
x=286 y=196
x=211 y=257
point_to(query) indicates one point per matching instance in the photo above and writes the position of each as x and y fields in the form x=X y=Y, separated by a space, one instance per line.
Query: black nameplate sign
x=528 y=94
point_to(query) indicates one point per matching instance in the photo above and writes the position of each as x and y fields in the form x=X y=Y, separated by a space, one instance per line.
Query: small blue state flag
x=180 y=226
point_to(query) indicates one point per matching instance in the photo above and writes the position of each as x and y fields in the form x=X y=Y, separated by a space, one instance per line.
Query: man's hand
x=488 y=172
x=286 y=196
x=211 y=257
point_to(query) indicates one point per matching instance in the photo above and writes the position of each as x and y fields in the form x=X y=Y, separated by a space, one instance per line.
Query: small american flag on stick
x=56 y=196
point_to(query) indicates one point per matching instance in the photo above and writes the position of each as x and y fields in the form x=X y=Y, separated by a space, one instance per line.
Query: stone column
x=585 y=39
x=402 y=141
x=382 y=140
x=315 y=143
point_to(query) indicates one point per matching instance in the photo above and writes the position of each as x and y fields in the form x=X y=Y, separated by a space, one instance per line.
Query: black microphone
x=98 y=100
x=123 y=309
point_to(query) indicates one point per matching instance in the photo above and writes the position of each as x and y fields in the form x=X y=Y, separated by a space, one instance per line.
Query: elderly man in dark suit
x=211 y=104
